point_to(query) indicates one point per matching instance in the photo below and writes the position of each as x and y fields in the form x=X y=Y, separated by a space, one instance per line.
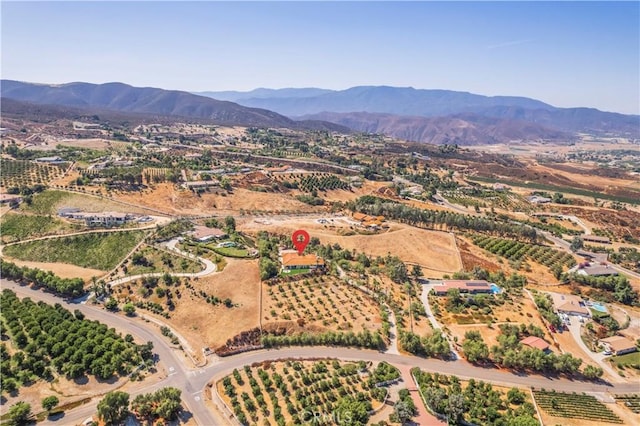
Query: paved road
x=173 y=361
x=193 y=382
x=599 y=358
x=210 y=267
x=424 y=296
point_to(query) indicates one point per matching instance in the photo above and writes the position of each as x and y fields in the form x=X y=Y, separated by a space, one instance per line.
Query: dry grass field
x=204 y=324
x=434 y=251
x=166 y=197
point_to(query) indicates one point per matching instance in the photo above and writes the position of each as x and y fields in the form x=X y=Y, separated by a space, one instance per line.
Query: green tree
x=576 y=244
x=111 y=304
x=114 y=407
x=592 y=372
x=129 y=309
x=50 y=402
x=403 y=412
x=19 y=413
x=230 y=223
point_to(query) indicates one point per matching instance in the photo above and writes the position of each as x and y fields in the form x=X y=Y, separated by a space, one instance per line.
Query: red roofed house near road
x=536 y=343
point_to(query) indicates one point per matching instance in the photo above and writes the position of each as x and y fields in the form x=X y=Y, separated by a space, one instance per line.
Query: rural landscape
x=368 y=253
x=490 y=286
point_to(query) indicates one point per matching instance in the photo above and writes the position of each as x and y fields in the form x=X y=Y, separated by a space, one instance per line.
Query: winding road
x=193 y=382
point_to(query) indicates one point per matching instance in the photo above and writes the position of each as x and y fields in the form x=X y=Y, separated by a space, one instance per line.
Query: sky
x=567 y=54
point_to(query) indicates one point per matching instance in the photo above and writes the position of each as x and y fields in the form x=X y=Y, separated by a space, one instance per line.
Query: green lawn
x=231 y=251
x=627 y=360
x=295 y=272
x=96 y=250
x=16 y=227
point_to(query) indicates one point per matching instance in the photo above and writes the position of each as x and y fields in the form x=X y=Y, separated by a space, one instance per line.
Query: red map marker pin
x=300 y=240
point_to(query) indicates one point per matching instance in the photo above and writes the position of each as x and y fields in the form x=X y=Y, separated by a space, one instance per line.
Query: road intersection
x=194 y=381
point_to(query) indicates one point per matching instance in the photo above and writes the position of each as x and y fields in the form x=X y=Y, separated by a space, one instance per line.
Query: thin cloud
x=509 y=43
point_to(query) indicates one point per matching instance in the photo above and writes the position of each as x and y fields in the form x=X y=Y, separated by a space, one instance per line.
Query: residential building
x=535 y=343
x=106 y=219
x=570 y=305
x=594 y=270
x=203 y=233
x=618 y=345
x=596 y=239
x=464 y=286
x=293 y=261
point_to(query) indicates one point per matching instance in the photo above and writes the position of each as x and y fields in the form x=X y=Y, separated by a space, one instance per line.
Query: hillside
x=128 y=99
x=461 y=129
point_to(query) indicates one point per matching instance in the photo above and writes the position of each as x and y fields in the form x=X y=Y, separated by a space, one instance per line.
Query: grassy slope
x=14 y=227
x=44 y=202
x=98 y=251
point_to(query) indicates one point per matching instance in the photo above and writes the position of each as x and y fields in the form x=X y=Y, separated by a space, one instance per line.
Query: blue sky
x=564 y=53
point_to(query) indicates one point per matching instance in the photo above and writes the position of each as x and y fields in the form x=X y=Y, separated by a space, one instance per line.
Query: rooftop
x=295 y=259
x=535 y=342
x=618 y=343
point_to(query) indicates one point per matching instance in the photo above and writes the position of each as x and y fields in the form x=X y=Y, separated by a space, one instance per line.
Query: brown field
x=520 y=310
x=166 y=197
x=321 y=302
x=87 y=143
x=63 y=270
x=434 y=251
x=206 y=325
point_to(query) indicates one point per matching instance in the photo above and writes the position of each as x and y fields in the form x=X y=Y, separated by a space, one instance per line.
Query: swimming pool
x=599 y=307
x=495 y=289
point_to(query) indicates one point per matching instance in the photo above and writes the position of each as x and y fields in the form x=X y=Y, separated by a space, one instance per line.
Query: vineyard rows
x=632 y=402
x=575 y=406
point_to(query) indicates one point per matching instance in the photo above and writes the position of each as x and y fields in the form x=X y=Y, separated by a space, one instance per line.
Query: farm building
x=470 y=287
x=370 y=222
x=50 y=160
x=200 y=184
x=596 y=239
x=535 y=343
x=203 y=234
x=293 y=261
x=618 y=345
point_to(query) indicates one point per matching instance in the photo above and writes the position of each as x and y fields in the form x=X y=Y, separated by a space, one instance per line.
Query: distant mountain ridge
x=124 y=98
x=461 y=129
x=407 y=101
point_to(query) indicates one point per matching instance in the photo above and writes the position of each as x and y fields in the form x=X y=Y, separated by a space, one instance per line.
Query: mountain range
x=433 y=116
x=147 y=100
x=390 y=107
